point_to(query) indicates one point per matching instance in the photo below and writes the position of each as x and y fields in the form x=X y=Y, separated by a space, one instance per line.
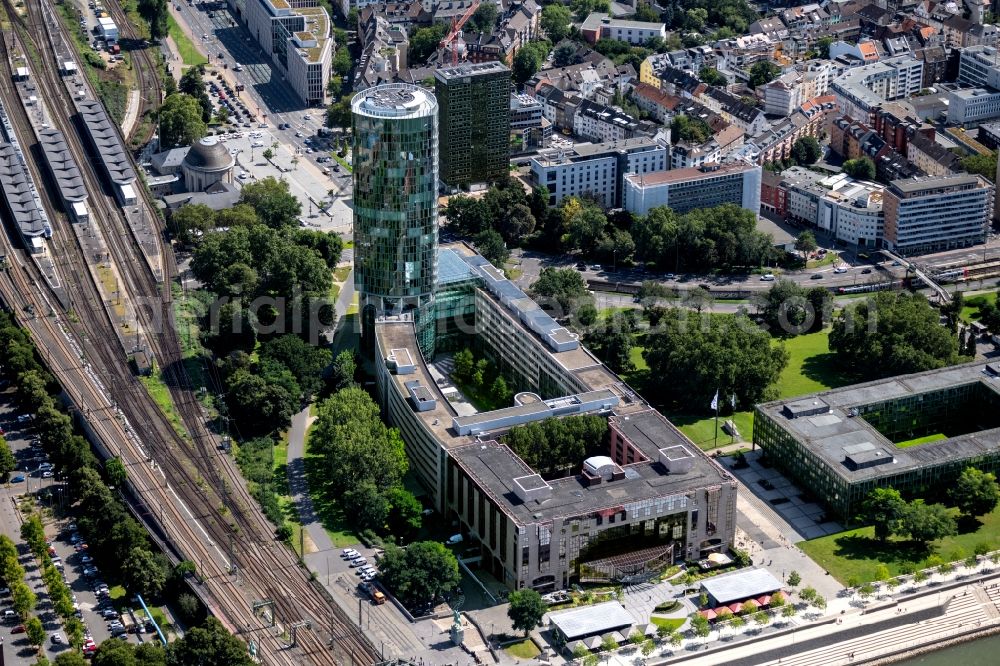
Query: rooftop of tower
x=394 y=100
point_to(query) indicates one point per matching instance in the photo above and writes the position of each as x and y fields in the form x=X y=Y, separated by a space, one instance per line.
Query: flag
x=732 y=401
x=715 y=401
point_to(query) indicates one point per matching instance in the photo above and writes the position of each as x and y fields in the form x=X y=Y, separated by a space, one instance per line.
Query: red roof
x=708 y=614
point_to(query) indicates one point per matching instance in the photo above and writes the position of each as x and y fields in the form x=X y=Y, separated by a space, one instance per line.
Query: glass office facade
x=395 y=204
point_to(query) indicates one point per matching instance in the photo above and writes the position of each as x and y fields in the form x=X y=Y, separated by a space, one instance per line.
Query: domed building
x=206 y=163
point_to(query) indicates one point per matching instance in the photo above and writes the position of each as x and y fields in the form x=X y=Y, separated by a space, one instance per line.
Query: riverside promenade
x=883 y=631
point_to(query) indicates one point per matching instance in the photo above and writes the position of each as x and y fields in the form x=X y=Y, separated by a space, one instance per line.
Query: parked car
x=18 y=479
x=57 y=639
x=359 y=562
x=18 y=629
x=767 y=277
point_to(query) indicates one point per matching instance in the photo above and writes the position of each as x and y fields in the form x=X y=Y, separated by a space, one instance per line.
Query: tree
x=22 y=597
x=491 y=245
x=356 y=444
x=181 y=122
x=793 y=578
x=737 y=622
x=191 y=221
x=892 y=333
x=648 y=647
x=612 y=342
x=806 y=151
x=762 y=618
x=276 y=206
x=421 y=573
x=7 y=462
x=883 y=509
x=499 y=390
x=927 y=522
x=712 y=77
x=484 y=19
x=155 y=13
x=700 y=625
x=35 y=631
x=693 y=130
x=305 y=361
x=555 y=445
x=693 y=355
x=983 y=165
x=70 y=659
x=822 y=47
x=424 y=42
x=861 y=168
x=464 y=365
x=192 y=84
x=143 y=573
x=526 y=609
x=555 y=21
x=258 y=405
x=528 y=60
x=405 y=514
x=975 y=493
x=565 y=52
x=366 y=507
x=114 y=469
x=562 y=290
x=208 y=645
x=763 y=71
x=805 y=242
x=344 y=369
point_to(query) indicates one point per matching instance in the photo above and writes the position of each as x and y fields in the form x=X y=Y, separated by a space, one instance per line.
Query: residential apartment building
x=474 y=121
x=601 y=123
x=296 y=36
x=931 y=157
x=861 y=91
x=599 y=26
x=852 y=211
x=596 y=170
x=686 y=189
x=937 y=213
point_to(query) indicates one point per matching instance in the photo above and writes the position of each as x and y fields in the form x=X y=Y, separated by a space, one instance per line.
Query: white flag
x=715 y=401
x=732 y=401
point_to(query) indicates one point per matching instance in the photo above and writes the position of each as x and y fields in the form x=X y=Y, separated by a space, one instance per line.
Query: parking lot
x=34 y=476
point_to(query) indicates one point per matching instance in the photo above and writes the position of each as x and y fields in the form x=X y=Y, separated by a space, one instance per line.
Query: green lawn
x=671 y=623
x=340 y=274
x=526 y=649
x=856 y=554
x=926 y=439
x=970 y=309
x=158 y=390
x=190 y=54
x=830 y=258
x=811 y=366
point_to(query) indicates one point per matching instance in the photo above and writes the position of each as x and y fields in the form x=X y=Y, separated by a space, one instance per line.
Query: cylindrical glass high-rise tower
x=395 y=206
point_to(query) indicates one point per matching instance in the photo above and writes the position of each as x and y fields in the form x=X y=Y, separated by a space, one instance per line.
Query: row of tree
x=60 y=597
x=363 y=464
x=556 y=447
x=974 y=493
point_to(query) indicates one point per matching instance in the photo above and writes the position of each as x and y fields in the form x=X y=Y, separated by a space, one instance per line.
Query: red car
x=19 y=629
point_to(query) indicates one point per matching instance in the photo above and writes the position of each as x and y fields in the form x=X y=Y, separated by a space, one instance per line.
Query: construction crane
x=456 y=27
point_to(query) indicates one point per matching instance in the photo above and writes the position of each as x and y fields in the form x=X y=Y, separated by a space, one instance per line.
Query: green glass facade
x=475 y=122
x=395 y=205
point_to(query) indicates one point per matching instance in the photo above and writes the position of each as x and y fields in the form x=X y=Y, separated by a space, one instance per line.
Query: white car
x=244 y=175
x=767 y=277
x=840 y=269
x=358 y=562
x=349 y=553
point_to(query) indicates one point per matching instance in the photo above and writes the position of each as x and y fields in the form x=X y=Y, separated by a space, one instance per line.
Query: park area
x=853 y=556
x=811 y=368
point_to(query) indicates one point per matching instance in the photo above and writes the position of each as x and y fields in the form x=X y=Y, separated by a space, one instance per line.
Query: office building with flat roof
x=697 y=187
x=843 y=443
x=596 y=169
x=474 y=120
x=599 y=26
x=296 y=35
x=395 y=205
x=937 y=213
x=653 y=499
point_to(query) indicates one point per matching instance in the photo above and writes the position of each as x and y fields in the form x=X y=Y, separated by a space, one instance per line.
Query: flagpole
x=716 y=444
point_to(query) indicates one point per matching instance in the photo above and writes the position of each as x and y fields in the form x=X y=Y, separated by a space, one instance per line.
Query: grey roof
x=107 y=142
x=63 y=166
x=741 y=585
x=20 y=194
x=494 y=467
x=471 y=69
x=849 y=445
x=169 y=161
x=588 y=621
x=930 y=183
x=209 y=154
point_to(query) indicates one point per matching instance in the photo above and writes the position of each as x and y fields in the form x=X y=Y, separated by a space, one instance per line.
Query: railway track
x=193 y=472
x=146 y=67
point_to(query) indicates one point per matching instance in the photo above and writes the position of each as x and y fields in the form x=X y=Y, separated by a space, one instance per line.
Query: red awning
x=735 y=607
x=764 y=600
x=708 y=614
